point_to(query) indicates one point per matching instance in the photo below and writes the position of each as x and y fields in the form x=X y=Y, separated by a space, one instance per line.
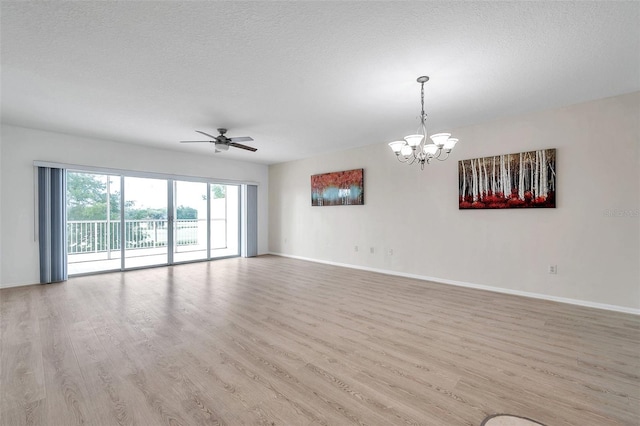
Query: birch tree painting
x=526 y=179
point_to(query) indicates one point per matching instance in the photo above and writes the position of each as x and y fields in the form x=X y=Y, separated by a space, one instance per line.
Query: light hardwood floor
x=276 y=341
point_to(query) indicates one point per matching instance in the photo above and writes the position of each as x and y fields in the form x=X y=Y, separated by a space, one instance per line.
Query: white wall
x=21 y=146
x=1 y=179
x=415 y=212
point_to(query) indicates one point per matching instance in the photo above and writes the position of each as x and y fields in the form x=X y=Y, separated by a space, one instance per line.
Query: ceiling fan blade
x=241 y=139
x=196 y=141
x=207 y=134
x=239 y=145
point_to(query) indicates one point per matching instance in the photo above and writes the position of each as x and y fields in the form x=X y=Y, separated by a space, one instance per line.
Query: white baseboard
x=14 y=285
x=578 y=302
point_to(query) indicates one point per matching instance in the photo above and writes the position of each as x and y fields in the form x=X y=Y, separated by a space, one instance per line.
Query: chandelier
x=414 y=149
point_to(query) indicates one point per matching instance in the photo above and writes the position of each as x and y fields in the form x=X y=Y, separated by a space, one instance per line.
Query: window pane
x=224 y=224
x=190 y=225
x=93 y=222
x=145 y=212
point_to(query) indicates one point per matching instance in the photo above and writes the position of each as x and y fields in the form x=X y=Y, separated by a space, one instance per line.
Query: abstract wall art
x=525 y=179
x=338 y=188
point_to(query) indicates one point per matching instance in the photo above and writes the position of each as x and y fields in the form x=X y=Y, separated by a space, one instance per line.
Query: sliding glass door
x=224 y=201
x=159 y=221
x=146 y=226
x=190 y=224
x=93 y=222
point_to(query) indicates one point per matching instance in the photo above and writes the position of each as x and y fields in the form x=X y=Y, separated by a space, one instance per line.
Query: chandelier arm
x=407 y=160
x=415 y=157
x=442 y=159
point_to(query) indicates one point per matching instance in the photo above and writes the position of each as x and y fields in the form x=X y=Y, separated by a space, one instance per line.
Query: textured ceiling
x=304 y=78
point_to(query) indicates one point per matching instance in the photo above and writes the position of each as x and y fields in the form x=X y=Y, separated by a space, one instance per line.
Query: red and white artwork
x=526 y=179
x=338 y=188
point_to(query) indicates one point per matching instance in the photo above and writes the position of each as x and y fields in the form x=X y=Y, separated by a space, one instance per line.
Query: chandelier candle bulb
x=415 y=149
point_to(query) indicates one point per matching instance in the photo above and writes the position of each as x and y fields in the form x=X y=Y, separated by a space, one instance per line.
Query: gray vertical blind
x=52 y=224
x=252 y=220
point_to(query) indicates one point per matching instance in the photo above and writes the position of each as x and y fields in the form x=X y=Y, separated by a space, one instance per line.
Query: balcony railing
x=94 y=236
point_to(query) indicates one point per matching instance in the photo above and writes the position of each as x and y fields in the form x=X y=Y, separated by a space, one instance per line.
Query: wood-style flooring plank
x=21 y=363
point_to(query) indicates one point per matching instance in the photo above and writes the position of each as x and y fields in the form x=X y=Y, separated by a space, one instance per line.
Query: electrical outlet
x=372 y=250
x=553 y=269
x=390 y=252
x=355 y=248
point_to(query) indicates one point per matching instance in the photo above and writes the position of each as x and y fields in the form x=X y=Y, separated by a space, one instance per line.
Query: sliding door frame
x=171 y=179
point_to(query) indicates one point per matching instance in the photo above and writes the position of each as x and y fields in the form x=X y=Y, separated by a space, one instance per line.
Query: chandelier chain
x=423 y=115
x=422 y=103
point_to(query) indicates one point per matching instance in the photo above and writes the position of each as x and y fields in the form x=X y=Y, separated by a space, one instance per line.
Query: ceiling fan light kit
x=222 y=143
x=414 y=149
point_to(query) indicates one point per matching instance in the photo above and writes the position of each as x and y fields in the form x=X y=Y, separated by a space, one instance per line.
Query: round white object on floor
x=508 y=420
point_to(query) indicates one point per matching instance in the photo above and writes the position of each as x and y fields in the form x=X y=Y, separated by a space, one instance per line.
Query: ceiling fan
x=223 y=143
